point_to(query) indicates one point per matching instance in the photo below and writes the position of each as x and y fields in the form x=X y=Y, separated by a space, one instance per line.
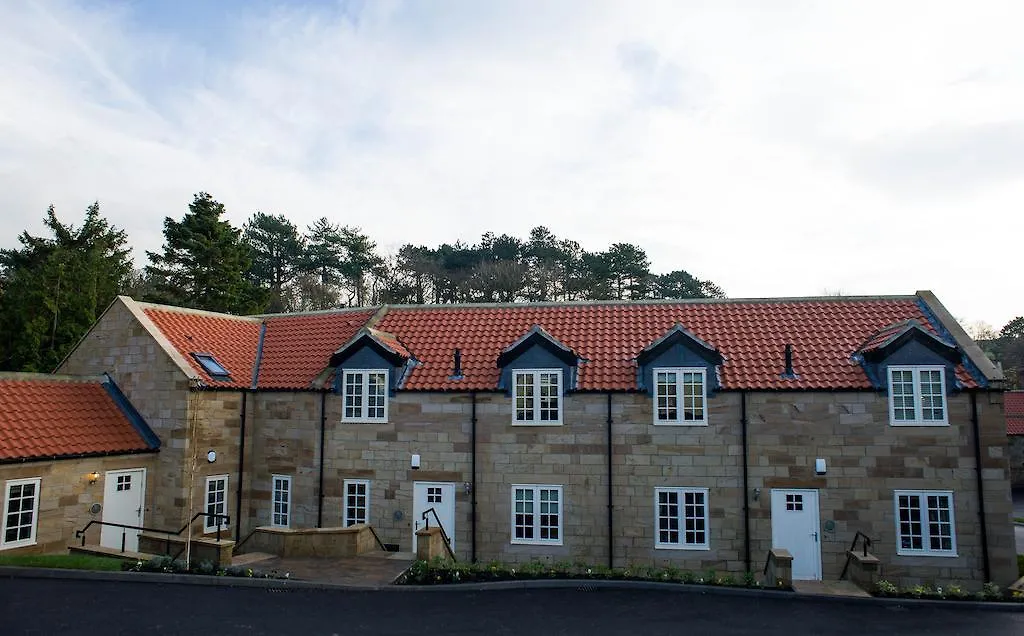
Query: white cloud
x=778 y=149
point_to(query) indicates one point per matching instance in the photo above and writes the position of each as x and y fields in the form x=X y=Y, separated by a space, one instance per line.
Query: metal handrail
x=80 y=534
x=444 y=535
x=767 y=560
x=849 y=553
x=379 y=542
x=239 y=545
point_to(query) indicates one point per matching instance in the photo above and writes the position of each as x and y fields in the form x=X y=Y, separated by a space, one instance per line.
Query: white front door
x=438 y=496
x=124 y=501
x=795 y=527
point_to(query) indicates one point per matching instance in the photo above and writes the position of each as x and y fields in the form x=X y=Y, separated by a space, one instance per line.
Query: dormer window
x=680 y=396
x=365 y=393
x=537 y=394
x=917 y=396
x=213 y=368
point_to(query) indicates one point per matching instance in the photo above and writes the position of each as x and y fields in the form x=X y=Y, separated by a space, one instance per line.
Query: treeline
x=52 y=288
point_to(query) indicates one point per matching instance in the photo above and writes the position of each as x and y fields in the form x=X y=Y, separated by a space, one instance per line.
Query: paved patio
x=829 y=588
x=368 y=570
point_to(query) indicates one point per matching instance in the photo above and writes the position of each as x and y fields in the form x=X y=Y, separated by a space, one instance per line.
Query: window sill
x=364 y=421
x=535 y=542
x=18 y=544
x=941 y=555
x=682 y=423
x=515 y=423
x=685 y=548
x=920 y=423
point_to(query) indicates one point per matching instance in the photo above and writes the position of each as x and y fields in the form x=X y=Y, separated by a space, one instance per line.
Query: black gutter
x=611 y=537
x=472 y=488
x=320 y=491
x=48 y=458
x=981 y=491
x=241 y=470
x=746 y=482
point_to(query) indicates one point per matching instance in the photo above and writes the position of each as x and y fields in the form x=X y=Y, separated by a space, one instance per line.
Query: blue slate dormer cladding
x=907 y=344
x=366 y=351
x=537 y=349
x=679 y=347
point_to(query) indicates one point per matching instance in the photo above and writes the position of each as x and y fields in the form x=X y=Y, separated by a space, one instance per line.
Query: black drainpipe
x=472 y=486
x=981 y=490
x=241 y=471
x=746 y=482
x=611 y=537
x=320 y=491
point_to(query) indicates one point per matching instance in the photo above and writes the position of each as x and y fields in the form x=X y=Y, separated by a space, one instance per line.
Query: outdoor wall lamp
x=93 y=477
x=757 y=494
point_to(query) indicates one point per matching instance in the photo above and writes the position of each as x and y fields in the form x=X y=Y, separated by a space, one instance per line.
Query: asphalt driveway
x=63 y=606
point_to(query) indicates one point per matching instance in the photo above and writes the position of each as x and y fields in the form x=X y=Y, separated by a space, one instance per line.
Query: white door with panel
x=440 y=497
x=124 y=502
x=795 y=527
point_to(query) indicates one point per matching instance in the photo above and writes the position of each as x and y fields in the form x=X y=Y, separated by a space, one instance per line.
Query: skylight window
x=211 y=366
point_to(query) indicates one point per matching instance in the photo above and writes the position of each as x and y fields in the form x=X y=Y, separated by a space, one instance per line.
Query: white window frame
x=918 y=420
x=681 y=519
x=364 y=385
x=31 y=539
x=210 y=524
x=925 y=521
x=536 y=409
x=536 y=491
x=348 y=519
x=281 y=519
x=680 y=399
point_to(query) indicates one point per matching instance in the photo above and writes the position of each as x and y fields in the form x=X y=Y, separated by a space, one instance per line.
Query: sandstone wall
x=66 y=496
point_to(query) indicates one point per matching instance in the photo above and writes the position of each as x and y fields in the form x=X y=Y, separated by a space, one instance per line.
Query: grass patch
x=1020 y=565
x=62 y=561
x=1018 y=519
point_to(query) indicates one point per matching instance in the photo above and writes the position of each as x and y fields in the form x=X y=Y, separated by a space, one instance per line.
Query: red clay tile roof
x=389 y=341
x=1014 y=405
x=45 y=417
x=297 y=347
x=751 y=335
x=230 y=339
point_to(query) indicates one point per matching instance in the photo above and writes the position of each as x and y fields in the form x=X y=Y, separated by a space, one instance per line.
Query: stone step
x=251 y=557
x=829 y=588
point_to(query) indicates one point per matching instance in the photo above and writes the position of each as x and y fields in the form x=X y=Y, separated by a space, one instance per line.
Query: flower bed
x=989 y=592
x=167 y=565
x=441 y=572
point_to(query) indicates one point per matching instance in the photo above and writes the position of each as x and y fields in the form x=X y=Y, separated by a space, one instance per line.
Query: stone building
x=72 y=450
x=1015 y=435
x=693 y=433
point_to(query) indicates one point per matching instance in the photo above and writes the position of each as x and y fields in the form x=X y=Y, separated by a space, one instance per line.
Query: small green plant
x=885 y=588
x=1020 y=565
x=991 y=592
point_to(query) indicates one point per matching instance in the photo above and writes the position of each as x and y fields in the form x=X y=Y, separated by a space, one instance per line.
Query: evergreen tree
x=322 y=265
x=277 y=251
x=54 y=288
x=204 y=263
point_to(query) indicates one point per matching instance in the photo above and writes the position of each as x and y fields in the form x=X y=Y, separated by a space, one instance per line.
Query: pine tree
x=54 y=289
x=204 y=262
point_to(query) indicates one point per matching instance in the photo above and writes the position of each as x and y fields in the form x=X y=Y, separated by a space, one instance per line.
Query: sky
x=790 y=148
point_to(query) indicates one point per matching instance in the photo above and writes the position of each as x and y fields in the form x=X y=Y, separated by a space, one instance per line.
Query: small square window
x=794 y=502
